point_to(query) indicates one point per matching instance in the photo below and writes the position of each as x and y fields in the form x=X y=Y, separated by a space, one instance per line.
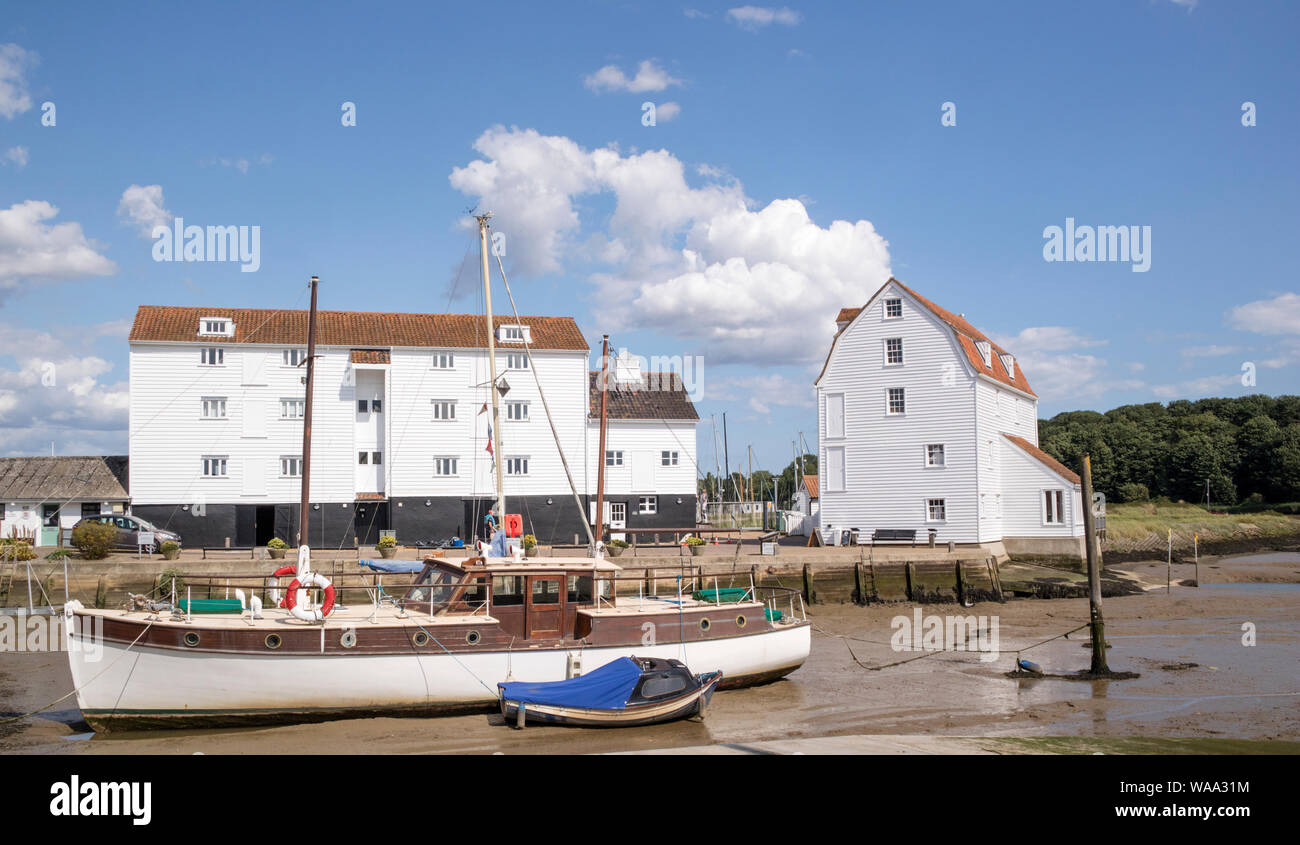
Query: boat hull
x=141 y=686
x=679 y=707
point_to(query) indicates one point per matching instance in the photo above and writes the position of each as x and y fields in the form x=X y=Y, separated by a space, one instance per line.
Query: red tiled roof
x=967 y=335
x=810 y=484
x=180 y=324
x=1047 y=460
x=660 y=396
x=371 y=356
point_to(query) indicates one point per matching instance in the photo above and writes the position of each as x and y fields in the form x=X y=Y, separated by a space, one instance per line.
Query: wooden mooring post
x=1093 y=548
x=808 y=594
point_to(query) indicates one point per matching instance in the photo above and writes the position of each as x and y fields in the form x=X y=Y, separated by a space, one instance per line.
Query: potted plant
x=616 y=547
x=276 y=548
x=171 y=550
x=696 y=545
x=387 y=547
x=530 y=545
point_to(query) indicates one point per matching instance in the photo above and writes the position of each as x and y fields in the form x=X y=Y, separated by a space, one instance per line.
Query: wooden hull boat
x=622 y=693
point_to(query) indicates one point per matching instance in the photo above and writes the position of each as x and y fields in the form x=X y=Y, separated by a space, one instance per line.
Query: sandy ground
x=1233 y=691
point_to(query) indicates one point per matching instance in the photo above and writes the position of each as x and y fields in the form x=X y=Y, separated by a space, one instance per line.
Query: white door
x=617 y=519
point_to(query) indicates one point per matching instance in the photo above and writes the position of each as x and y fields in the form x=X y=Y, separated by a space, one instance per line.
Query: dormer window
x=219 y=326
x=1009 y=362
x=893 y=309
x=514 y=334
x=986 y=352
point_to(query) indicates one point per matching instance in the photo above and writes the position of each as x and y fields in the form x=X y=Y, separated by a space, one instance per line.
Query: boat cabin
x=530 y=600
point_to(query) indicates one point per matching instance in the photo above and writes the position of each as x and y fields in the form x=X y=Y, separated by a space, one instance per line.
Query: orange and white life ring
x=274 y=583
x=316 y=614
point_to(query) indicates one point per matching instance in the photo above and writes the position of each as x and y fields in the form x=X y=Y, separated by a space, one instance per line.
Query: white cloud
x=665 y=112
x=693 y=14
x=59 y=392
x=1197 y=388
x=1279 y=315
x=696 y=262
x=1210 y=351
x=754 y=18
x=242 y=163
x=17 y=155
x=142 y=207
x=761 y=392
x=649 y=77
x=1055 y=368
x=34 y=252
x=14 y=63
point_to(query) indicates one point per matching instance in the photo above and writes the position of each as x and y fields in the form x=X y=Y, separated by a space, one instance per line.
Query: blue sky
x=798 y=158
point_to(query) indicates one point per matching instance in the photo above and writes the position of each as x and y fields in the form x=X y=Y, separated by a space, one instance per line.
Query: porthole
x=473 y=637
x=740 y=621
x=192 y=638
x=349 y=638
x=272 y=640
x=704 y=624
x=421 y=638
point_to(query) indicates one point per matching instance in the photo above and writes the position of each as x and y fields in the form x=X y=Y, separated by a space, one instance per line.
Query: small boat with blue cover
x=627 y=691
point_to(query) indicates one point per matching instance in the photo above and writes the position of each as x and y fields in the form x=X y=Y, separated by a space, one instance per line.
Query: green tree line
x=1248 y=448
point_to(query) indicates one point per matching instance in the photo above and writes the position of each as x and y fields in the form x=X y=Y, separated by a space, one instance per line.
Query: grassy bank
x=1145 y=524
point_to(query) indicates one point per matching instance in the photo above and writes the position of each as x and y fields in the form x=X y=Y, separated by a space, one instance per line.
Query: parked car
x=129 y=529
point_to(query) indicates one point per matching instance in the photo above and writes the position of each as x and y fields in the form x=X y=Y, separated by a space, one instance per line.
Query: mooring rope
x=931 y=652
x=83 y=686
x=454 y=657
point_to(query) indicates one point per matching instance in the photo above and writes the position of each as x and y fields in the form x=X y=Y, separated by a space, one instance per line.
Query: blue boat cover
x=606 y=688
x=393 y=565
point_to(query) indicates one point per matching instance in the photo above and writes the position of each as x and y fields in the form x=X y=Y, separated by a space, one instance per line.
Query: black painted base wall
x=334 y=525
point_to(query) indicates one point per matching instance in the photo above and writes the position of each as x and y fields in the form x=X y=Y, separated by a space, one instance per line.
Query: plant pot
x=614 y=551
x=388 y=553
x=277 y=554
x=696 y=551
x=171 y=554
x=530 y=551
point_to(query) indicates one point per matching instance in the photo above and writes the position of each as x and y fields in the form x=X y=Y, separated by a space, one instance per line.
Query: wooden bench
x=893 y=535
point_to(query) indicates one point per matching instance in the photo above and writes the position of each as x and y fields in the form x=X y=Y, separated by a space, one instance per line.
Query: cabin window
x=934 y=456
x=507 y=590
x=648 y=505
x=897 y=400
x=546 y=591
x=1054 y=507
x=212 y=356
x=444 y=466
x=893 y=308
x=613 y=459
x=443 y=410
x=936 y=510
x=662 y=685
x=292 y=409
x=214 y=466
x=291 y=466
x=894 y=350
x=580 y=589
x=214 y=408
x=293 y=357
x=668 y=459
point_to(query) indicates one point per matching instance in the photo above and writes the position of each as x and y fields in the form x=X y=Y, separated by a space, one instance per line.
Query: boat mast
x=304 y=505
x=498 y=454
x=600 y=461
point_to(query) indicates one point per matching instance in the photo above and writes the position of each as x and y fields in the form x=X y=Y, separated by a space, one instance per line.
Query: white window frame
x=517 y=465
x=943 y=509
x=668 y=458
x=613 y=457
x=292 y=358
x=441 y=463
x=985 y=350
x=889 y=402
x=943 y=456
x=1060 y=505
x=647 y=505
x=441 y=407
x=443 y=361
x=886 y=303
x=901 y=359
x=291 y=466
x=293 y=409
x=213 y=403
x=214 y=466
x=216 y=327
x=516 y=361
x=514 y=333
x=206 y=353
x=517 y=411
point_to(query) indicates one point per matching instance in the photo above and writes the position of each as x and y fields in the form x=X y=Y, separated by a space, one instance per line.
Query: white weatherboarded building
x=399 y=436
x=927 y=425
